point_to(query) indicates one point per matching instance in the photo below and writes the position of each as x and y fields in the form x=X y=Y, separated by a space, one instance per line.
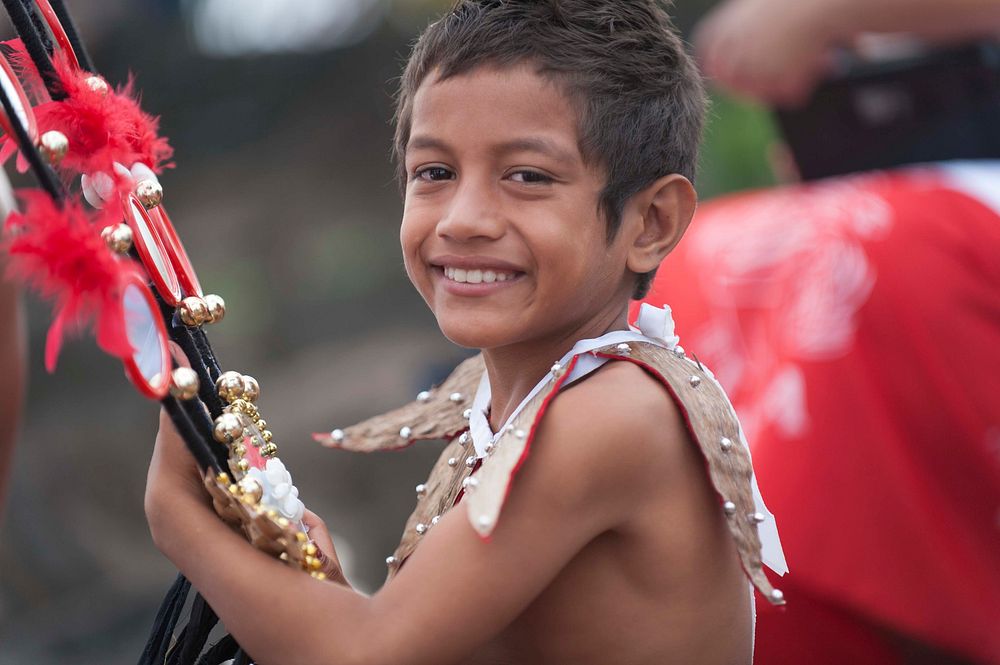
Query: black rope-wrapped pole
x=35 y=43
x=45 y=175
x=82 y=55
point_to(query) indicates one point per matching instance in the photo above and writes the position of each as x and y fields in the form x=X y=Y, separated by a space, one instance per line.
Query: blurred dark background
x=279 y=111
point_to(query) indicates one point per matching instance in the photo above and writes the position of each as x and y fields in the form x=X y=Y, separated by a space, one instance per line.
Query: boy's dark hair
x=639 y=95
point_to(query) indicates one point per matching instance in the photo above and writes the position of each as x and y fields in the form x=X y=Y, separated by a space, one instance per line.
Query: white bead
x=455 y=397
x=337 y=435
x=421 y=489
x=423 y=396
x=557 y=369
x=464 y=439
x=695 y=381
x=520 y=433
x=679 y=351
x=435 y=520
x=405 y=432
x=421 y=529
x=777 y=595
x=756 y=518
x=623 y=349
x=488 y=448
x=726 y=444
x=470 y=461
x=470 y=483
x=391 y=561
x=452 y=461
x=467 y=414
x=729 y=507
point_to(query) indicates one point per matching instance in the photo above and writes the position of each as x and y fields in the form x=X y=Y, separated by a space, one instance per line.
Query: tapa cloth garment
x=855 y=323
x=491 y=459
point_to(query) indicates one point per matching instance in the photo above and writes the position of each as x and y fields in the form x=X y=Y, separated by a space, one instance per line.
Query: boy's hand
x=172 y=473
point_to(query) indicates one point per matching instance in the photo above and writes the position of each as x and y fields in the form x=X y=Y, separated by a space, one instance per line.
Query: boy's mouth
x=477 y=276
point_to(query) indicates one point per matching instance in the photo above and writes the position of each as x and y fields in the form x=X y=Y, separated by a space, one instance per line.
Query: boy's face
x=501 y=232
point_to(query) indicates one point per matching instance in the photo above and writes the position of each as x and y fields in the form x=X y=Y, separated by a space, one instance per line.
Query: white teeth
x=464 y=276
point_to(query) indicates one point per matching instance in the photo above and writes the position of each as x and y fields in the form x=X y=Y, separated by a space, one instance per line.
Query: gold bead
x=261 y=424
x=272 y=514
x=301 y=536
x=283 y=556
x=243 y=465
x=319 y=576
x=252 y=491
x=216 y=308
x=53 y=146
x=117 y=237
x=230 y=386
x=235 y=490
x=184 y=383
x=237 y=404
x=149 y=193
x=251 y=389
x=228 y=428
x=283 y=522
x=267 y=436
x=97 y=84
x=310 y=549
x=240 y=450
x=222 y=478
x=193 y=311
x=270 y=450
x=316 y=564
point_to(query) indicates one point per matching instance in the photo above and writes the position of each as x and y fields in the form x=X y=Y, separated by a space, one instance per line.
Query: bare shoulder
x=613 y=435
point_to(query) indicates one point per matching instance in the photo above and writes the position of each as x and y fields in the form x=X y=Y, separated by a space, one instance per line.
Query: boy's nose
x=472 y=213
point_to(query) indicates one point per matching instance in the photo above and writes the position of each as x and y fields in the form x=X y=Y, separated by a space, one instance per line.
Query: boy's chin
x=470 y=335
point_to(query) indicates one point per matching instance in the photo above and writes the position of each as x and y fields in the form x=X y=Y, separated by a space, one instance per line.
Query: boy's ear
x=659 y=214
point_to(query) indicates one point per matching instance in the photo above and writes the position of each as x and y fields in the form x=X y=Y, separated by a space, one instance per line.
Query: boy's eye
x=433 y=174
x=530 y=177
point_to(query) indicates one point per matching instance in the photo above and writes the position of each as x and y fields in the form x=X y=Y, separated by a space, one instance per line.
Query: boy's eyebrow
x=525 y=144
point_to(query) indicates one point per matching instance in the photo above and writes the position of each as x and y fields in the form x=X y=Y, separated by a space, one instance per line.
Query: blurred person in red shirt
x=13 y=349
x=855 y=321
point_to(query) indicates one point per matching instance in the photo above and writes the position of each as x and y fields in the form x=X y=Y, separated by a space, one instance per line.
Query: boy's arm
x=456 y=592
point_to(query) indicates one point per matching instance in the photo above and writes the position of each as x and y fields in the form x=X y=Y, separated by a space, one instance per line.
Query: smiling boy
x=546 y=150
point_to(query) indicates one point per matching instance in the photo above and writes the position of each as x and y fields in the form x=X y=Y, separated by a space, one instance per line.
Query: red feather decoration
x=103 y=126
x=59 y=251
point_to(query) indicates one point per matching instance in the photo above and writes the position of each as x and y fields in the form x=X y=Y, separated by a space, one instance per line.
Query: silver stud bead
x=405 y=432
x=435 y=520
x=726 y=444
x=455 y=397
x=695 y=381
x=755 y=518
x=520 y=433
x=467 y=414
x=470 y=483
x=391 y=561
x=623 y=349
x=679 y=351
x=423 y=396
x=777 y=595
x=421 y=529
x=421 y=489
x=488 y=448
x=337 y=435
x=464 y=439
x=729 y=507
x=557 y=370
x=470 y=461
x=452 y=461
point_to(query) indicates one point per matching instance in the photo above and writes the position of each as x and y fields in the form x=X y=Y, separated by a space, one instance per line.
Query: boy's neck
x=515 y=369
